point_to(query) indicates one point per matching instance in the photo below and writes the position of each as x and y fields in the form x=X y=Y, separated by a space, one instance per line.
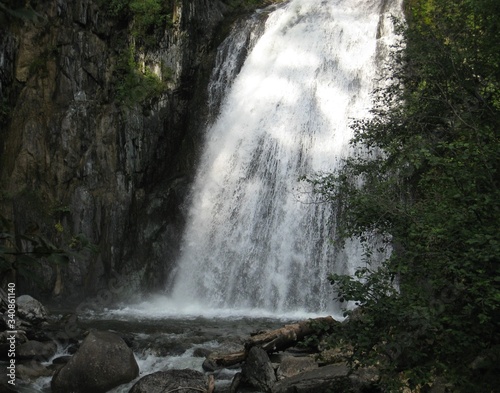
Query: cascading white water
x=253 y=240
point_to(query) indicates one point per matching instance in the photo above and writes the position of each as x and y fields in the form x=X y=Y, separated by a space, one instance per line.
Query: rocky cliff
x=99 y=133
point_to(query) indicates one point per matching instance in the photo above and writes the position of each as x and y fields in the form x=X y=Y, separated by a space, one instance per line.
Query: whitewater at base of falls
x=254 y=240
x=159 y=307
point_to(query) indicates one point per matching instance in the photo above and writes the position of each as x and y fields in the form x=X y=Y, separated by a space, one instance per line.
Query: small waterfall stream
x=254 y=239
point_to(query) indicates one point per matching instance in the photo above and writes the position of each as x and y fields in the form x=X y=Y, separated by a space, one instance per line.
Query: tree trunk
x=289 y=335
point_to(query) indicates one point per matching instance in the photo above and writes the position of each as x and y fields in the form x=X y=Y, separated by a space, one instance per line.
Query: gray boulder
x=172 y=380
x=333 y=377
x=319 y=380
x=258 y=370
x=32 y=370
x=293 y=365
x=61 y=359
x=30 y=309
x=32 y=349
x=102 y=362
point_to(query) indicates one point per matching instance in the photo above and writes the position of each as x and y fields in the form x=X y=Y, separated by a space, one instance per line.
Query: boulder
x=72 y=349
x=5 y=387
x=102 y=362
x=319 y=380
x=10 y=342
x=202 y=352
x=165 y=346
x=235 y=383
x=32 y=349
x=333 y=377
x=61 y=359
x=258 y=370
x=293 y=365
x=30 y=309
x=6 y=336
x=172 y=380
x=32 y=370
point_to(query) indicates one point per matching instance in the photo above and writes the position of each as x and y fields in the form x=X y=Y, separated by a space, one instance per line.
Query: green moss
x=136 y=85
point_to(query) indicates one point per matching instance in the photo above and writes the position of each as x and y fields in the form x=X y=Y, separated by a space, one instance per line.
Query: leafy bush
x=429 y=187
x=148 y=17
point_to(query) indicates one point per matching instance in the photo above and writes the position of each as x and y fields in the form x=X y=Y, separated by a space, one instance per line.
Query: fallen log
x=216 y=361
x=289 y=335
x=271 y=341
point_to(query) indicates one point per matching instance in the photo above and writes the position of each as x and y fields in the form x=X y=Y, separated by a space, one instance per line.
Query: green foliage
x=147 y=14
x=134 y=82
x=313 y=341
x=148 y=17
x=135 y=85
x=429 y=189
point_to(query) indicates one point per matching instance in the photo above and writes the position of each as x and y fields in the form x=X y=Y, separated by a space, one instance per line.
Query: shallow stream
x=169 y=338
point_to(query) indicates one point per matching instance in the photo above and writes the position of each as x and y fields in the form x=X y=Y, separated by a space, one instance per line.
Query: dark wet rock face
x=82 y=149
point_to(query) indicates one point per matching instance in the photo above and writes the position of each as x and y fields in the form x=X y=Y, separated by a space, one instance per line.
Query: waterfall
x=254 y=239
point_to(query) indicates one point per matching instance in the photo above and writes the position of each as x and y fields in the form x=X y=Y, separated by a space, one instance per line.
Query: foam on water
x=163 y=307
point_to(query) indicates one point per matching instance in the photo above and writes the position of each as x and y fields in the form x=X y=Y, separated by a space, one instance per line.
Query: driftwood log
x=271 y=341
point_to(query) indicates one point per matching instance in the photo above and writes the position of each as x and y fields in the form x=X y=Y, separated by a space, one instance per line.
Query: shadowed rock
x=102 y=362
x=172 y=380
x=34 y=349
x=258 y=370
